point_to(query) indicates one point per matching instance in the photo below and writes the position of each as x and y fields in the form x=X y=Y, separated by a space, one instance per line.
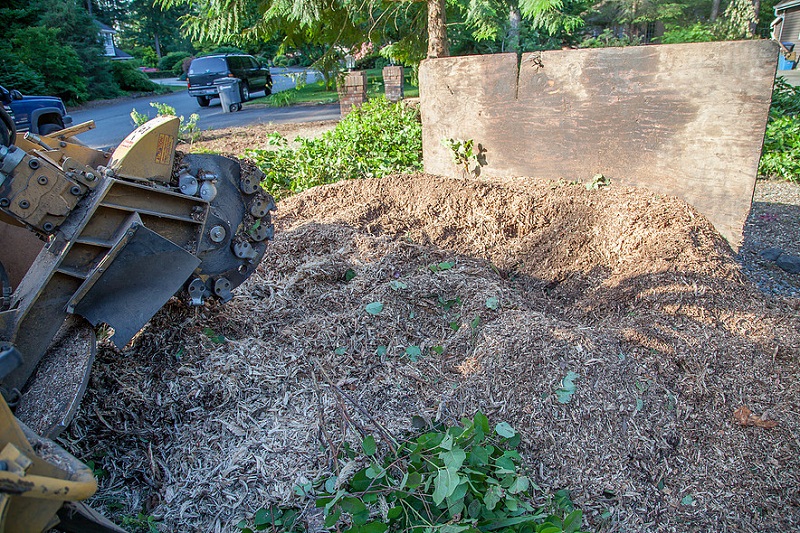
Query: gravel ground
x=774 y=222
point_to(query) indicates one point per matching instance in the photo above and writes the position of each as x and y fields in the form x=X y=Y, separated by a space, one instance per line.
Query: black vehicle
x=204 y=70
x=38 y=114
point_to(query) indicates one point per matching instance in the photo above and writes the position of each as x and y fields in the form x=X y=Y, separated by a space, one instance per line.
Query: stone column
x=393 y=83
x=353 y=91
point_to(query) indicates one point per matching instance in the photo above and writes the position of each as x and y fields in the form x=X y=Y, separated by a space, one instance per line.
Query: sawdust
x=634 y=292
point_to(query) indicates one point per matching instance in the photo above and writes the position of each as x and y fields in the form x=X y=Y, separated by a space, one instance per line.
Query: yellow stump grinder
x=87 y=238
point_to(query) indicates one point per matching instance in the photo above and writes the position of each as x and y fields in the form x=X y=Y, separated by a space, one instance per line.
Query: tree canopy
x=324 y=31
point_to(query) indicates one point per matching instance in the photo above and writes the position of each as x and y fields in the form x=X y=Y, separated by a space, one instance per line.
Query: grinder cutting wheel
x=88 y=237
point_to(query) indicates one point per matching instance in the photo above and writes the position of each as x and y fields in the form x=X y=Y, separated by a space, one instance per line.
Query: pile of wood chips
x=210 y=414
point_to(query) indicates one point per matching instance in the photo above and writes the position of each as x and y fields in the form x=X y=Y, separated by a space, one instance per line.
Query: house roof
x=786 y=4
x=119 y=54
x=105 y=28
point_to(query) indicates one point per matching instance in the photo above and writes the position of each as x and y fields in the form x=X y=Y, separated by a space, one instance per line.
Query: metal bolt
x=42 y=180
x=217 y=233
x=33 y=163
x=4 y=202
x=48 y=226
x=90 y=176
x=62 y=144
x=24 y=204
x=75 y=190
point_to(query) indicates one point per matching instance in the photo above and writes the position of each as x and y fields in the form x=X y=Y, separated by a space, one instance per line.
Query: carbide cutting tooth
x=264 y=231
x=259 y=208
x=250 y=184
x=222 y=288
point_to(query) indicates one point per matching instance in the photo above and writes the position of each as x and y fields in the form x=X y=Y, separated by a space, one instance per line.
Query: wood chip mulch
x=635 y=292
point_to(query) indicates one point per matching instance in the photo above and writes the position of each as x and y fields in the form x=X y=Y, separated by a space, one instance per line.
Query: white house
x=110 y=49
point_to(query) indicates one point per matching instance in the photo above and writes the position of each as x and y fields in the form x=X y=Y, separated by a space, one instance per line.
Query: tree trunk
x=89 y=6
x=714 y=10
x=437 y=30
x=514 y=21
x=754 y=24
x=157 y=45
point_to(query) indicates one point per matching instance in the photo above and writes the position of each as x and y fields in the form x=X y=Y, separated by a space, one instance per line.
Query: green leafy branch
x=188 y=131
x=466 y=478
x=465 y=154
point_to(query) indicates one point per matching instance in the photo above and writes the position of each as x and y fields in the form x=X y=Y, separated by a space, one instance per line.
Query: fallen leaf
x=746 y=417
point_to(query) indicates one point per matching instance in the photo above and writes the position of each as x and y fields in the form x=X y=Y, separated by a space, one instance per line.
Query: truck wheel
x=47 y=129
x=203 y=101
x=244 y=91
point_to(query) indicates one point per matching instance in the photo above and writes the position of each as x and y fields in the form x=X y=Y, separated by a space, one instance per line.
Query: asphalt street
x=113 y=121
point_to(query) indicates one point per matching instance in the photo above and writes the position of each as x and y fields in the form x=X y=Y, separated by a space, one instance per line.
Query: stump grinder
x=88 y=238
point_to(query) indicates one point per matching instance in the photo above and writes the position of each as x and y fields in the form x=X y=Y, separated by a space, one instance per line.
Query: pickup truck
x=38 y=114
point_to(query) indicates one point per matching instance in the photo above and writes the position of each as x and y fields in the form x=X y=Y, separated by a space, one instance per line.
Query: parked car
x=203 y=71
x=39 y=114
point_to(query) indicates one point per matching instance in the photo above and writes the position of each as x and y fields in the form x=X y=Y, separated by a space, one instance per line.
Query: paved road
x=114 y=123
x=792 y=77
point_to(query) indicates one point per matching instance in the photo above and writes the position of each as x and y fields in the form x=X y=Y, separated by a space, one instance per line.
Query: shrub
x=16 y=75
x=171 y=60
x=181 y=70
x=608 y=39
x=146 y=56
x=282 y=98
x=130 y=78
x=780 y=157
x=58 y=65
x=697 y=33
x=226 y=50
x=188 y=130
x=372 y=141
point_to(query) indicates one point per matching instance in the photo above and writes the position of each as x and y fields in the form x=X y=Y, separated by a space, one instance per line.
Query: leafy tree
x=157 y=27
x=741 y=18
x=75 y=33
x=335 y=24
x=60 y=66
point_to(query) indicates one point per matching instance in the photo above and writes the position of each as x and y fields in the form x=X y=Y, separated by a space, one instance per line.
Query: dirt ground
x=234 y=141
x=210 y=414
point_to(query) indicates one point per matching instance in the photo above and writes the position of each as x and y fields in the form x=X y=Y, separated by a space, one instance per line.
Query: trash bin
x=229 y=95
x=787 y=58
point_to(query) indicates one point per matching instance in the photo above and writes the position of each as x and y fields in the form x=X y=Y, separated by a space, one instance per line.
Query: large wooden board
x=686 y=119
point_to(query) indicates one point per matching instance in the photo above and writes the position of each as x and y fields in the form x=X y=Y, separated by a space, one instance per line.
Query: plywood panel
x=686 y=120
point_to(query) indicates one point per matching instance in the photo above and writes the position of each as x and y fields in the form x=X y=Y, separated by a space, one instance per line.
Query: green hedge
x=130 y=78
x=780 y=157
x=372 y=141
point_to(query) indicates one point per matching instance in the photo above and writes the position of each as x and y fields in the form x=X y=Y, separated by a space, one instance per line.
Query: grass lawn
x=315 y=93
x=167 y=89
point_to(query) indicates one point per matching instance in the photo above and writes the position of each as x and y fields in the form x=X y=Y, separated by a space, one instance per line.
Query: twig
x=385 y=434
x=320 y=410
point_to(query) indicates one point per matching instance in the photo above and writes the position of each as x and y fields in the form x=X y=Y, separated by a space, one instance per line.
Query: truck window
x=208 y=65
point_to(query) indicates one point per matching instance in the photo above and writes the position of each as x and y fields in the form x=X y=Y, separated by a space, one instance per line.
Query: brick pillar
x=393 y=83
x=353 y=92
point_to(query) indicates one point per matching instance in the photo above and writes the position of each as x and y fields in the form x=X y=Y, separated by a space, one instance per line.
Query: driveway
x=113 y=121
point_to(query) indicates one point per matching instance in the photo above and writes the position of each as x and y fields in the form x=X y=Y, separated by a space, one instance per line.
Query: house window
x=108 y=43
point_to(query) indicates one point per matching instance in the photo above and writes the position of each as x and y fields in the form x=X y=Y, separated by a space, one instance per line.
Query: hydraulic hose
x=5 y=288
x=8 y=131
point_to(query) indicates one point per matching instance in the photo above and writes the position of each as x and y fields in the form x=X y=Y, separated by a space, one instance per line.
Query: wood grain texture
x=686 y=120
